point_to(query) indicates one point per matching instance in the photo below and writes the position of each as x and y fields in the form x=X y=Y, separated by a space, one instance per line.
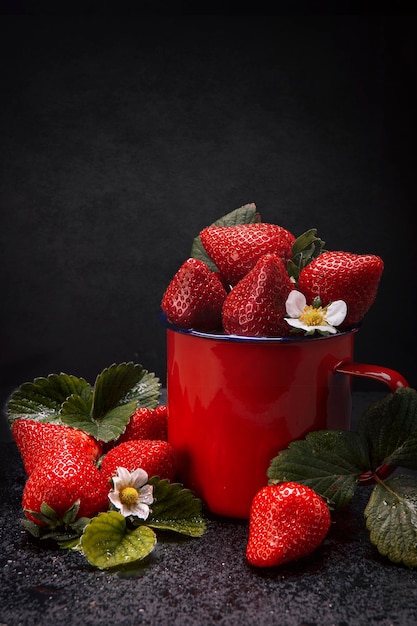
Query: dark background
x=123 y=135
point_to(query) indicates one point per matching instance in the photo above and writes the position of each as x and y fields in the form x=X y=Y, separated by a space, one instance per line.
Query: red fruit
x=256 y=306
x=63 y=477
x=146 y=424
x=337 y=275
x=287 y=521
x=235 y=249
x=161 y=411
x=155 y=457
x=194 y=297
x=35 y=440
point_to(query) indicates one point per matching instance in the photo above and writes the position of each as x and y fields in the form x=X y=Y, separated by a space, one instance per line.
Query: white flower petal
x=296 y=323
x=295 y=303
x=140 y=509
x=117 y=483
x=146 y=494
x=325 y=328
x=122 y=478
x=336 y=312
x=114 y=498
x=125 y=510
x=138 y=478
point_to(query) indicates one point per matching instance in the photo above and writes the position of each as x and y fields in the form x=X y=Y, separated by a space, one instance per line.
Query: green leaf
x=390 y=428
x=118 y=391
x=146 y=392
x=176 y=509
x=41 y=399
x=107 y=542
x=102 y=412
x=75 y=409
x=391 y=518
x=305 y=248
x=328 y=461
x=245 y=214
x=110 y=427
x=112 y=385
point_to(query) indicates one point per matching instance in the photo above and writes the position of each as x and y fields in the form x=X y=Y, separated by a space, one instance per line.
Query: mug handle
x=394 y=380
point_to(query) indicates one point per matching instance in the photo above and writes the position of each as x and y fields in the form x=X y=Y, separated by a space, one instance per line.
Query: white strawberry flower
x=130 y=494
x=311 y=318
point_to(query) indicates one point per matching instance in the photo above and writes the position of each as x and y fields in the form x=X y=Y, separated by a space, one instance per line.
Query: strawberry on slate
x=35 y=440
x=256 y=305
x=155 y=457
x=63 y=477
x=235 y=249
x=146 y=423
x=337 y=275
x=287 y=521
x=194 y=297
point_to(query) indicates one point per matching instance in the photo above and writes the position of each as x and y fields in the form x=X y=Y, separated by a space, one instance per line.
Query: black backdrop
x=123 y=136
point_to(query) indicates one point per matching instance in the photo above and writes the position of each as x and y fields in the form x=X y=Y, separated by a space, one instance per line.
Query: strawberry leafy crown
x=102 y=410
x=305 y=248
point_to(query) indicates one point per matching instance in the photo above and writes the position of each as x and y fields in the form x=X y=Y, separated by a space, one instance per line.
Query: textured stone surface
x=202 y=581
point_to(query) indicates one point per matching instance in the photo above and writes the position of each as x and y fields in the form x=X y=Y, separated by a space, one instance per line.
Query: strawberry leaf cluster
x=109 y=540
x=131 y=539
x=73 y=437
x=102 y=410
x=335 y=463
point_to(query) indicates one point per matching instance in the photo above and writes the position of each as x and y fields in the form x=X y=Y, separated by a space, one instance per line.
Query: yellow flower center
x=313 y=317
x=128 y=496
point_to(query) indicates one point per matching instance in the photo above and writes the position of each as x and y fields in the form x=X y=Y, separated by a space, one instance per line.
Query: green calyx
x=305 y=248
x=51 y=526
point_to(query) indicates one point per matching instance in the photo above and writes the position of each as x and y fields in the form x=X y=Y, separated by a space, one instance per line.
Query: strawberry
x=146 y=424
x=155 y=457
x=235 y=249
x=256 y=305
x=194 y=297
x=35 y=440
x=337 y=275
x=287 y=521
x=63 y=477
x=161 y=413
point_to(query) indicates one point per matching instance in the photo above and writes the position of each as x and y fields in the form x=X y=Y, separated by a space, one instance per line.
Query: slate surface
x=202 y=581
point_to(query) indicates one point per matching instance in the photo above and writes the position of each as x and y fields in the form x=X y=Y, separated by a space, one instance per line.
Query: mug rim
x=243 y=339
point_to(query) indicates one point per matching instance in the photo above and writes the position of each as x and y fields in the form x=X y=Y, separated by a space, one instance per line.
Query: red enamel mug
x=235 y=402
